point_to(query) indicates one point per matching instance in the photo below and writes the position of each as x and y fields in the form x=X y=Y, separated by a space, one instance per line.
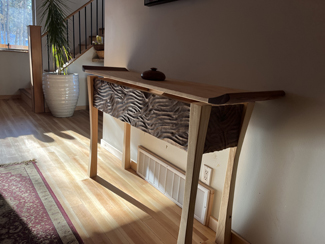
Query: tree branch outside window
x=15 y=16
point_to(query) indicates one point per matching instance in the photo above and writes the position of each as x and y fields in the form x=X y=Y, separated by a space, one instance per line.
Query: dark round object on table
x=153 y=74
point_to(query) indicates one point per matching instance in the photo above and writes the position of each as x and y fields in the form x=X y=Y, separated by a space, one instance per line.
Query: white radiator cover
x=171 y=182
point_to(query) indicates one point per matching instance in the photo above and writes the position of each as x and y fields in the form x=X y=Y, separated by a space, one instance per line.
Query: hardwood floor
x=115 y=207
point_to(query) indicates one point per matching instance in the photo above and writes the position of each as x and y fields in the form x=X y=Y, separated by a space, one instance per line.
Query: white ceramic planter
x=61 y=93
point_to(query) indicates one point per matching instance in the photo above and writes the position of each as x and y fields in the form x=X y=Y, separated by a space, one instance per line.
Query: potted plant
x=99 y=46
x=61 y=90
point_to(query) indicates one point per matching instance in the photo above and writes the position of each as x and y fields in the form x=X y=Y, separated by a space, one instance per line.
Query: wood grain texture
x=235 y=238
x=123 y=208
x=224 y=127
x=167 y=118
x=36 y=67
x=199 y=92
x=199 y=120
x=161 y=117
x=126 y=154
x=223 y=234
x=9 y=97
x=93 y=116
x=103 y=68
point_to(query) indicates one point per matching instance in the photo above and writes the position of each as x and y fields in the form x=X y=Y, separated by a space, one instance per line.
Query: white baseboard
x=235 y=238
x=117 y=153
x=213 y=223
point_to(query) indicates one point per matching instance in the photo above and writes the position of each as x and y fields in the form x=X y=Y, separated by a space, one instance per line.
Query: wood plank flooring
x=115 y=207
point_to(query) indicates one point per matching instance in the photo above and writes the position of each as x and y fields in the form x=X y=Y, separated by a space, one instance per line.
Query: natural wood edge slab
x=89 y=68
x=243 y=97
x=192 y=91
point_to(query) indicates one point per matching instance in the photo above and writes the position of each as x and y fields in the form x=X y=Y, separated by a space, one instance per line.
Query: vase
x=61 y=93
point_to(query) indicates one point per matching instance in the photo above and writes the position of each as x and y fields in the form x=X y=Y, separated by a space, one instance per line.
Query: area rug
x=29 y=210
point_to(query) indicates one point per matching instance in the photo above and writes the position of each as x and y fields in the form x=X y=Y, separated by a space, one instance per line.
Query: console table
x=196 y=117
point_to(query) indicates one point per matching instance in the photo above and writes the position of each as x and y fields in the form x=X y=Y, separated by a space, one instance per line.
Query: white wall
x=253 y=45
x=14 y=72
x=85 y=59
x=71 y=7
x=76 y=67
x=12 y=79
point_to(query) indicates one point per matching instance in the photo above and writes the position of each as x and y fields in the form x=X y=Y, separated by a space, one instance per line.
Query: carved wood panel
x=165 y=118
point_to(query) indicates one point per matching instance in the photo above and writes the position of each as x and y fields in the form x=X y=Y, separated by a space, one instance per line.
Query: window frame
x=20 y=48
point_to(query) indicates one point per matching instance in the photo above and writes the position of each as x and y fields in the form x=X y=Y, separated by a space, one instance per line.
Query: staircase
x=26 y=96
x=82 y=28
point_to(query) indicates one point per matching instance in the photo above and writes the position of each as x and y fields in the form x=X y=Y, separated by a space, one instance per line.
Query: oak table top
x=197 y=92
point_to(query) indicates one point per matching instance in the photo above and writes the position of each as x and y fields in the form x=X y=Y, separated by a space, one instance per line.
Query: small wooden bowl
x=153 y=74
x=99 y=47
x=100 y=54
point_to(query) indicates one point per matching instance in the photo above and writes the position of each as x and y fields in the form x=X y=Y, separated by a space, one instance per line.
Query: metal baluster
x=97 y=16
x=91 y=22
x=86 y=27
x=74 y=48
x=79 y=34
x=67 y=22
x=53 y=58
x=48 y=52
x=102 y=16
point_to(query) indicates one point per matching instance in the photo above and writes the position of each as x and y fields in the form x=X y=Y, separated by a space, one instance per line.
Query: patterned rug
x=29 y=210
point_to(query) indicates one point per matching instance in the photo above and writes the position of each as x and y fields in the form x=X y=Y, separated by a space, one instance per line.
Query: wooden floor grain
x=115 y=207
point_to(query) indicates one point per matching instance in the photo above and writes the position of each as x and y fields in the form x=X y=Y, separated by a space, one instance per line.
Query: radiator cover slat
x=171 y=182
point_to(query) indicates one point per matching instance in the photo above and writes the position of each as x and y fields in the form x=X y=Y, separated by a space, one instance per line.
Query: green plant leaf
x=54 y=13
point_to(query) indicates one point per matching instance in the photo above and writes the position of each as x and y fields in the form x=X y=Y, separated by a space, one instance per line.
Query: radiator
x=170 y=181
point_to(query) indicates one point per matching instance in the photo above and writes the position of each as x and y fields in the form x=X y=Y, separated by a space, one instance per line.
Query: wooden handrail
x=70 y=15
x=83 y=6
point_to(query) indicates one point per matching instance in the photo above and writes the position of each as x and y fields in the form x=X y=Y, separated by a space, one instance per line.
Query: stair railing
x=78 y=30
x=40 y=58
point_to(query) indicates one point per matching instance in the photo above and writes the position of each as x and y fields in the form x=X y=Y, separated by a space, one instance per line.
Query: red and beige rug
x=29 y=210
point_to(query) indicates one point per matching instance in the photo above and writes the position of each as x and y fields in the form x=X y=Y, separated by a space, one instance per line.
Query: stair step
x=93 y=38
x=96 y=35
x=26 y=96
x=84 y=49
x=98 y=60
x=26 y=91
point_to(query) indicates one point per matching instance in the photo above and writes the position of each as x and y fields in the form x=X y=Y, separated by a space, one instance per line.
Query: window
x=15 y=16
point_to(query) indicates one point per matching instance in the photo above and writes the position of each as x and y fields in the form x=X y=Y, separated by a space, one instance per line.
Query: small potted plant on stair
x=61 y=90
x=99 y=46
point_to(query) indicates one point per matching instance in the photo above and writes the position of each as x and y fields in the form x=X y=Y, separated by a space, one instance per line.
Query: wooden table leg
x=199 y=120
x=93 y=114
x=126 y=157
x=223 y=234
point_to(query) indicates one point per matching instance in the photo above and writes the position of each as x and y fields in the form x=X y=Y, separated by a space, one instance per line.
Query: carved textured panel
x=159 y=116
x=224 y=127
x=165 y=118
